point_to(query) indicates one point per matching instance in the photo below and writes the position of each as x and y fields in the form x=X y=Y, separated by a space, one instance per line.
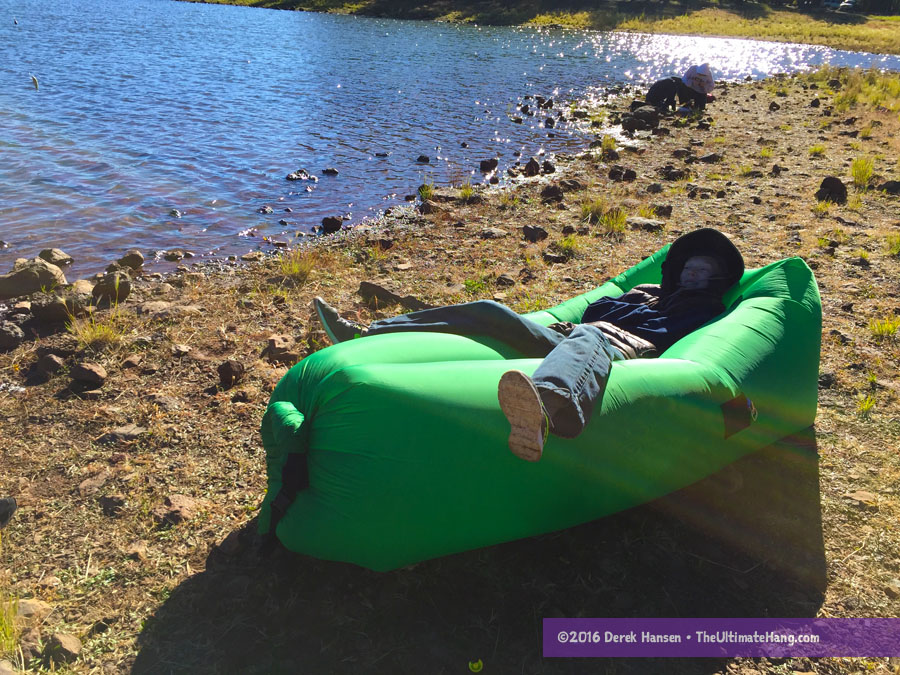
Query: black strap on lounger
x=294 y=477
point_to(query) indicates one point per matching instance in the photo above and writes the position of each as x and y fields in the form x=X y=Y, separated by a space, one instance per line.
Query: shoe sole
x=521 y=403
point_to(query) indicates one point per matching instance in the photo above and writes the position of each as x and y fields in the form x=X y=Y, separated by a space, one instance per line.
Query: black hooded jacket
x=664 y=314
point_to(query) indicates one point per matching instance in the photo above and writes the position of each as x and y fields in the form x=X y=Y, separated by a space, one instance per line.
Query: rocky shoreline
x=133 y=445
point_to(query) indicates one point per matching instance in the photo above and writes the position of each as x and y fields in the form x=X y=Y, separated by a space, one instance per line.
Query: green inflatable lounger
x=392 y=449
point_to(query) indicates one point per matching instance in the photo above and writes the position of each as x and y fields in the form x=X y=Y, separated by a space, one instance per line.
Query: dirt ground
x=808 y=527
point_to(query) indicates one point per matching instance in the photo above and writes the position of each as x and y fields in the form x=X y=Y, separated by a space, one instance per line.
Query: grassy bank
x=880 y=34
x=804 y=528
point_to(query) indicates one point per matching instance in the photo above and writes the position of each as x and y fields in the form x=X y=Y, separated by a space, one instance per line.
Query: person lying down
x=560 y=395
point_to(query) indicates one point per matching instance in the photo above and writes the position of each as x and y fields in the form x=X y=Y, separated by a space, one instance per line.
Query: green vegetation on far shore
x=880 y=34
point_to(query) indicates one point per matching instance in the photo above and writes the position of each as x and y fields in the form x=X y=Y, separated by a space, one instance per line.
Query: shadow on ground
x=745 y=542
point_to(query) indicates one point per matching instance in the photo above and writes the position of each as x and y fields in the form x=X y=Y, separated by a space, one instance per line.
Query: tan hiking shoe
x=528 y=421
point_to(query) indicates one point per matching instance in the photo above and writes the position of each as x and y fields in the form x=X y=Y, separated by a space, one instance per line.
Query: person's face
x=696 y=273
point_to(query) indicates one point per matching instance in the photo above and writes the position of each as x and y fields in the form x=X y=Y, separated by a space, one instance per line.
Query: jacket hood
x=705 y=241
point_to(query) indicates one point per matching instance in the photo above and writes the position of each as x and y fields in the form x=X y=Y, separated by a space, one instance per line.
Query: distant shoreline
x=838 y=30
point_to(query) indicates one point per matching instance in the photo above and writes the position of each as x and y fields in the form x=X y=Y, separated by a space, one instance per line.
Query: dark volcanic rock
x=832 y=189
x=488 y=165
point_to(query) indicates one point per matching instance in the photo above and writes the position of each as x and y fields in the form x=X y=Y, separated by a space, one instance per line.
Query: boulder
x=571 y=185
x=488 y=165
x=552 y=193
x=49 y=364
x=11 y=336
x=51 y=308
x=63 y=648
x=332 y=224
x=493 y=233
x=832 y=189
x=55 y=256
x=376 y=294
x=30 y=276
x=619 y=173
x=534 y=233
x=548 y=167
x=133 y=259
x=646 y=224
x=648 y=114
x=532 y=168
x=33 y=611
x=230 y=373
x=281 y=349
x=113 y=288
x=89 y=373
x=423 y=159
x=892 y=187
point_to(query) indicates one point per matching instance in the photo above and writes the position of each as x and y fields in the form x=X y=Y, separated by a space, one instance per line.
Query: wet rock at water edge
x=423 y=159
x=330 y=171
x=55 y=256
x=832 y=189
x=113 y=288
x=133 y=259
x=299 y=174
x=532 y=168
x=488 y=165
x=265 y=210
x=332 y=224
x=30 y=276
x=548 y=167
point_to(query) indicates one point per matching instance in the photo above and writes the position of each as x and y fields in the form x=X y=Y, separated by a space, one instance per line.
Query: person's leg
x=482 y=317
x=560 y=395
x=572 y=378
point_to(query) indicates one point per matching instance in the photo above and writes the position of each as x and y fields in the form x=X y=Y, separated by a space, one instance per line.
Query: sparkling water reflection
x=145 y=106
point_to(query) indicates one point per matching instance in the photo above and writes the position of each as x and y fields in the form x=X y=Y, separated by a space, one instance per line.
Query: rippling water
x=145 y=106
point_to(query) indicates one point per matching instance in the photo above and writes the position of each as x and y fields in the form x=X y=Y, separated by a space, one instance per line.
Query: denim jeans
x=570 y=379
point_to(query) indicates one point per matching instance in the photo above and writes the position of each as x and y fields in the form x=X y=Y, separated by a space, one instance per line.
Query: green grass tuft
x=862 y=169
x=592 y=210
x=297 y=264
x=614 y=220
x=884 y=329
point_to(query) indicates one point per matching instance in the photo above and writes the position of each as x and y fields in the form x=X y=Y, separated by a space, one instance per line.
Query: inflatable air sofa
x=392 y=449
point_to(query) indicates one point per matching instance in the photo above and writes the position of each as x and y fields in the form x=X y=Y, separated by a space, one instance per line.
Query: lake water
x=148 y=106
